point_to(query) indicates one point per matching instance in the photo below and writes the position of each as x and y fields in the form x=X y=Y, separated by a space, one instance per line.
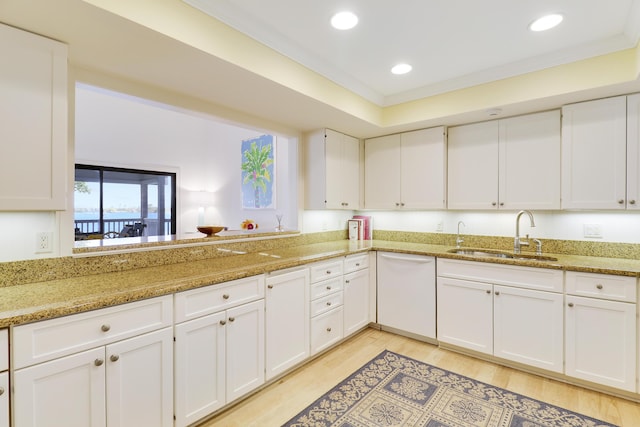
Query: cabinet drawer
x=356 y=262
x=543 y=279
x=324 y=304
x=325 y=270
x=4 y=350
x=605 y=286
x=326 y=330
x=326 y=287
x=200 y=302
x=50 y=339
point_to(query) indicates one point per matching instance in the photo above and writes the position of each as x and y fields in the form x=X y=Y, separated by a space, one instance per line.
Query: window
x=115 y=202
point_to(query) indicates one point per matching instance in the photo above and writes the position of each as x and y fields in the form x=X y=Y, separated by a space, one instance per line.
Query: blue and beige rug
x=394 y=390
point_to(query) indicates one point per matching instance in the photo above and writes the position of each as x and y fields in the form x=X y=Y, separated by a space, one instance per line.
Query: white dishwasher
x=407 y=294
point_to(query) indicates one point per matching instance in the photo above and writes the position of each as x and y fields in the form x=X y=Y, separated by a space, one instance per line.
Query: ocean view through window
x=115 y=202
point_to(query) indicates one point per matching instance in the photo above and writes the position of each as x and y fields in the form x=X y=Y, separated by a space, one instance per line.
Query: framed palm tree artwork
x=258 y=173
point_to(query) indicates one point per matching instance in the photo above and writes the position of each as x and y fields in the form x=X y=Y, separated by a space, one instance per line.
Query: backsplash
x=40 y=270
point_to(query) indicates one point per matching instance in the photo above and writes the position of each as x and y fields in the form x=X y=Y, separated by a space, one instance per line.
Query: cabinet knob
x=223 y=322
x=231 y=319
x=497 y=292
x=488 y=291
x=570 y=304
x=114 y=358
x=1 y=391
x=328 y=288
x=98 y=362
x=401 y=203
x=599 y=286
x=329 y=329
x=328 y=271
x=621 y=201
x=632 y=202
x=397 y=204
x=346 y=281
x=225 y=296
x=270 y=286
x=105 y=328
x=328 y=303
x=493 y=203
x=501 y=203
x=357 y=264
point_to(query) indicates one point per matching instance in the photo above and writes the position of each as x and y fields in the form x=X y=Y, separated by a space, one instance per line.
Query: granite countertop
x=43 y=300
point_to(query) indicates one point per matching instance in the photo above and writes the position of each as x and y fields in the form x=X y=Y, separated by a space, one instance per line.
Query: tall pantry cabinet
x=33 y=122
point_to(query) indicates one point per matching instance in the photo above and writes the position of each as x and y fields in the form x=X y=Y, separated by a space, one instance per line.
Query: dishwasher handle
x=425 y=260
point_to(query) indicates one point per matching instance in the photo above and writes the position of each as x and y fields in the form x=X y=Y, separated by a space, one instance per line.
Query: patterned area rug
x=394 y=390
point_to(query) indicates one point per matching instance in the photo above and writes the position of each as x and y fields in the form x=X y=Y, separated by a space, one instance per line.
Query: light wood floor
x=277 y=403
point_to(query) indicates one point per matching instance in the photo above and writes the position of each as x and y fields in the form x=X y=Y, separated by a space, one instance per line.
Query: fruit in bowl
x=210 y=230
x=249 y=224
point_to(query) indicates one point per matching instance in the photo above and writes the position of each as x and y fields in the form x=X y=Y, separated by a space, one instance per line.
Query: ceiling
x=450 y=43
x=278 y=65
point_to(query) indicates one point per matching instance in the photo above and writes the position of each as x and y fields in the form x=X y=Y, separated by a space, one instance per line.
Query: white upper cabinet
x=505 y=164
x=633 y=152
x=406 y=171
x=332 y=171
x=594 y=155
x=33 y=122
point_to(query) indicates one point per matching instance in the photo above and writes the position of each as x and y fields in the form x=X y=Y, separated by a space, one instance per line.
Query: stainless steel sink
x=488 y=253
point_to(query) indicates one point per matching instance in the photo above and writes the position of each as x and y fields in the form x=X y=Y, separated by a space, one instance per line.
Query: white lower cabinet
x=128 y=383
x=356 y=301
x=601 y=333
x=521 y=322
x=326 y=307
x=4 y=378
x=406 y=293
x=219 y=346
x=286 y=320
x=108 y=367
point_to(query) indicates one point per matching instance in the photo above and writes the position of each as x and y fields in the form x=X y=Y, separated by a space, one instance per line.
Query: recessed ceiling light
x=401 y=69
x=546 y=22
x=344 y=20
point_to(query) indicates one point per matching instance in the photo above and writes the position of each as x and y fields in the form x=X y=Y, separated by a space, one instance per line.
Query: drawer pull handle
x=98 y=362
x=225 y=296
x=329 y=329
x=1 y=391
x=105 y=328
x=328 y=271
x=223 y=322
x=231 y=319
x=328 y=302
x=570 y=304
x=357 y=264
x=346 y=281
x=270 y=286
x=599 y=286
x=114 y=357
x=328 y=288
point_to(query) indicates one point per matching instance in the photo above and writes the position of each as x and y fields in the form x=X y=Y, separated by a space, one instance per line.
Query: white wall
x=117 y=130
x=622 y=227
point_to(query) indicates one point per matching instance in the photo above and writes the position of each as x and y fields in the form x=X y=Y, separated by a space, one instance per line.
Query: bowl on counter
x=210 y=230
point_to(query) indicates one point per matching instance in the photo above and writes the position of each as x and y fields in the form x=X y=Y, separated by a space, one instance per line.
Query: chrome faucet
x=517 y=243
x=458 y=238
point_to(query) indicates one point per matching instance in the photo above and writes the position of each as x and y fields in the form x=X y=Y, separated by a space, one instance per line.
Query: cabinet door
x=4 y=399
x=356 y=301
x=422 y=169
x=200 y=360
x=465 y=314
x=601 y=341
x=594 y=154
x=33 y=122
x=69 y=392
x=472 y=167
x=530 y=161
x=382 y=172
x=140 y=380
x=633 y=152
x=245 y=349
x=528 y=327
x=287 y=321
x=350 y=167
x=406 y=293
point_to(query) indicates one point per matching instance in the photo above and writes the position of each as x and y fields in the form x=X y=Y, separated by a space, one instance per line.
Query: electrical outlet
x=593 y=230
x=439 y=226
x=44 y=242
